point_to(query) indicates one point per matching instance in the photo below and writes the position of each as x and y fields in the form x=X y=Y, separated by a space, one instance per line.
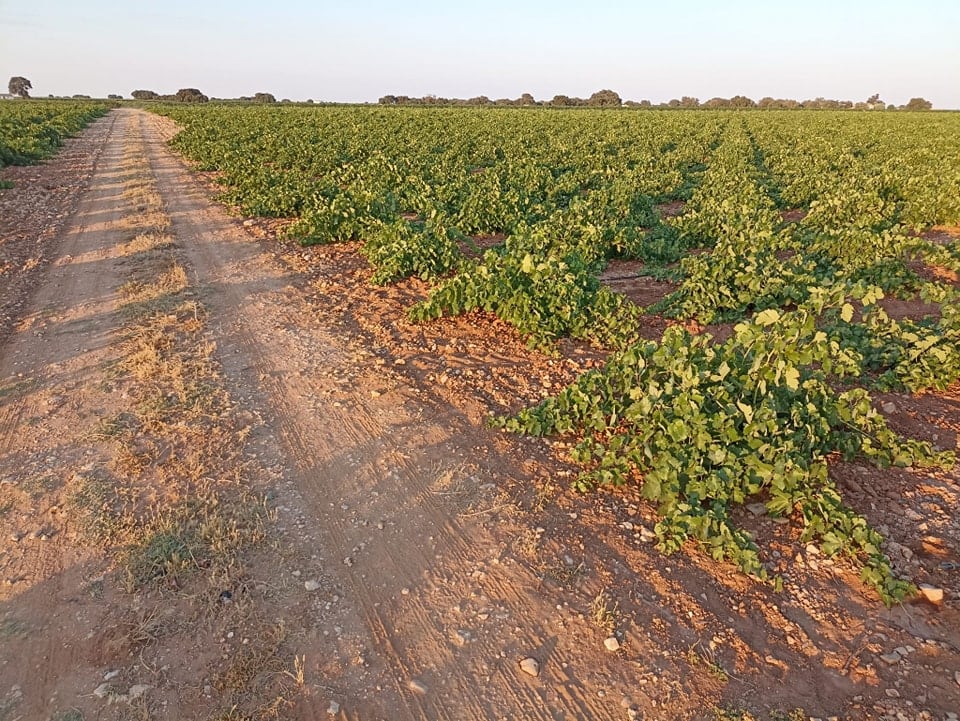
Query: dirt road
x=412 y=558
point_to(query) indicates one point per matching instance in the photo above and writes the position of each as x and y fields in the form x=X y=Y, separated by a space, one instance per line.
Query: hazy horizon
x=299 y=50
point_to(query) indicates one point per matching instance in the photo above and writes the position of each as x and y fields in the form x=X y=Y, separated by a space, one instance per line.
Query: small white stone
x=102 y=691
x=333 y=709
x=137 y=691
x=530 y=666
x=612 y=644
x=311 y=585
x=417 y=686
x=109 y=675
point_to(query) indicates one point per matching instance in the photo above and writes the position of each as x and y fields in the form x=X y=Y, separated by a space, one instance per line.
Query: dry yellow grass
x=174 y=507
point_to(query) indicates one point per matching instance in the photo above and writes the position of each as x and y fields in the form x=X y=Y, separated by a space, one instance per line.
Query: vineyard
x=809 y=258
x=33 y=130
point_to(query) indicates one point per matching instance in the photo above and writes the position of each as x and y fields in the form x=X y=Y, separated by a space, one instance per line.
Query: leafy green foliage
x=544 y=295
x=703 y=427
x=401 y=249
x=35 y=129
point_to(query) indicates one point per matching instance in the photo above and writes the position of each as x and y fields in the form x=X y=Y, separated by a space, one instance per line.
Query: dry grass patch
x=174 y=507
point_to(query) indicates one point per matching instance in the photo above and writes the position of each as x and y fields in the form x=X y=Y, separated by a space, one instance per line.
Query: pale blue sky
x=358 y=51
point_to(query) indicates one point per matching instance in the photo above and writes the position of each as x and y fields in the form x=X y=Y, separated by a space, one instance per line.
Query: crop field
x=433 y=413
x=31 y=131
x=809 y=261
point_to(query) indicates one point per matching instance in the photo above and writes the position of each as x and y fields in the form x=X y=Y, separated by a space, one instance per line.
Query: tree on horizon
x=19 y=86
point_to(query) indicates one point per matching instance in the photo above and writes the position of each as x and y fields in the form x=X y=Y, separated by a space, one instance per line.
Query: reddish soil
x=671 y=209
x=480 y=243
x=942 y=234
x=443 y=552
x=914 y=309
x=626 y=277
x=793 y=215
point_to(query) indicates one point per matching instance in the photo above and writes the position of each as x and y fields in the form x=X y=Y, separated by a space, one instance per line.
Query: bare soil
x=413 y=556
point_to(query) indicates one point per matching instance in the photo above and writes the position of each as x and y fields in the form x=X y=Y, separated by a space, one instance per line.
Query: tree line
x=609 y=98
x=606 y=98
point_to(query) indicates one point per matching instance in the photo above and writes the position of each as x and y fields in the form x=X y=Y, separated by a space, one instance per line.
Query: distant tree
x=114 y=96
x=264 y=98
x=526 y=99
x=190 y=95
x=742 y=101
x=919 y=104
x=822 y=104
x=768 y=103
x=673 y=103
x=717 y=103
x=480 y=100
x=144 y=95
x=80 y=96
x=19 y=86
x=605 y=99
x=388 y=100
x=561 y=101
x=687 y=102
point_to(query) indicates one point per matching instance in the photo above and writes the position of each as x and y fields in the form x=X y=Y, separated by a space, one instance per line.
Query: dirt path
x=414 y=557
